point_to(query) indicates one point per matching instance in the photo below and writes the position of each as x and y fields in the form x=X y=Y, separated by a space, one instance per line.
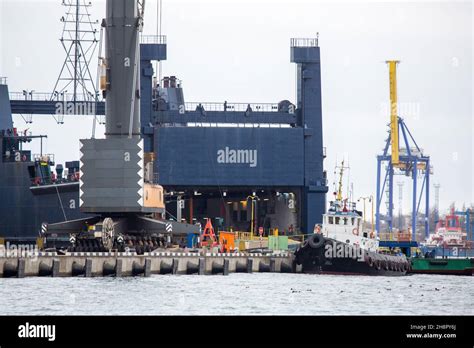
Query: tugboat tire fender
x=370 y=262
x=316 y=241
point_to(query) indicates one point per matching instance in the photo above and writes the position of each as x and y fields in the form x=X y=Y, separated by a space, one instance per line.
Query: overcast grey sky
x=239 y=51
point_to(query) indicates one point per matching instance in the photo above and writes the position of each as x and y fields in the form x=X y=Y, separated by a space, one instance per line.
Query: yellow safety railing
x=298 y=237
x=395 y=236
x=242 y=235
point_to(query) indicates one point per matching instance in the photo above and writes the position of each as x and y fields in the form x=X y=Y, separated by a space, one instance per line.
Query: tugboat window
x=331 y=220
x=345 y=221
x=337 y=220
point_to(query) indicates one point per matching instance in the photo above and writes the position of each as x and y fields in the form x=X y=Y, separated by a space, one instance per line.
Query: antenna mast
x=79 y=42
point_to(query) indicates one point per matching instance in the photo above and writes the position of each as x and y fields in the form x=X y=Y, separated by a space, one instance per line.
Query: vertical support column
x=415 y=198
x=149 y=52
x=179 y=208
x=249 y=265
x=21 y=268
x=55 y=268
x=118 y=268
x=175 y=266
x=202 y=266
x=191 y=210
x=427 y=200
x=88 y=268
x=306 y=54
x=146 y=103
x=272 y=265
x=226 y=267
x=377 y=199
x=390 y=197
x=470 y=229
x=147 y=268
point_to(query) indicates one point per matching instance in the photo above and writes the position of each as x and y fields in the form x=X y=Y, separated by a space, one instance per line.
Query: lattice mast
x=79 y=41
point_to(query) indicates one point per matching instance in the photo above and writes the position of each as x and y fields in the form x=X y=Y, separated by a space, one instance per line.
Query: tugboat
x=341 y=246
x=448 y=233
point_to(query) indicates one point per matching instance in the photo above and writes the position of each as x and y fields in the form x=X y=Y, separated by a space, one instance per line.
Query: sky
x=239 y=51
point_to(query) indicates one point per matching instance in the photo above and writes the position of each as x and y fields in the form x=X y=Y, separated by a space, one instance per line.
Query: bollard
x=202 y=266
x=118 y=268
x=249 y=265
x=226 y=267
x=147 y=271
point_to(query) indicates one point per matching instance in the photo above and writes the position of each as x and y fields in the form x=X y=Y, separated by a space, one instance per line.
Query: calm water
x=286 y=294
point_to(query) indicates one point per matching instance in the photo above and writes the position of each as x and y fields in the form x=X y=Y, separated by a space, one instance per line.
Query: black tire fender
x=316 y=241
x=370 y=261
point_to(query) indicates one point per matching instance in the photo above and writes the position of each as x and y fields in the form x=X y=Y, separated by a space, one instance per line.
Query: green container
x=442 y=266
x=278 y=242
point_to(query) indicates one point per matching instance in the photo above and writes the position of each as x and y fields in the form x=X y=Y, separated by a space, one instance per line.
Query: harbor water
x=239 y=294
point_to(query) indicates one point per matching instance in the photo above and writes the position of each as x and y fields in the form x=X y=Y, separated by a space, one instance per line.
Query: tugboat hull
x=320 y=255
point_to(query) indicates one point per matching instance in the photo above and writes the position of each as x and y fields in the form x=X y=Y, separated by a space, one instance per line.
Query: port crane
x=409 y=160
x=117 y=186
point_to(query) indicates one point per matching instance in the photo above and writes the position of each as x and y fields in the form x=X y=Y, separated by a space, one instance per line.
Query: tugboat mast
x=339 y=190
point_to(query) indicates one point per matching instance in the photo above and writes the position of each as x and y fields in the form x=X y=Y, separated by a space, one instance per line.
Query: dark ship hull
x=320 y=255
x=31 y=190
x=25 y=205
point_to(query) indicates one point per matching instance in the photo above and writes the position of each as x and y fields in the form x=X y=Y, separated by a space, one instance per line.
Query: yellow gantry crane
x=392 y=67
x=409 y=161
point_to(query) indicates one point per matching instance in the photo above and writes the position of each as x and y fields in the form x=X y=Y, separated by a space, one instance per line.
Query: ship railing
x=299 y=237
x=395 y=236
x=232 y=107
x=43 y=158
x=56 y=96
x=304 y=42
x=153 y=39
x=242 y=235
